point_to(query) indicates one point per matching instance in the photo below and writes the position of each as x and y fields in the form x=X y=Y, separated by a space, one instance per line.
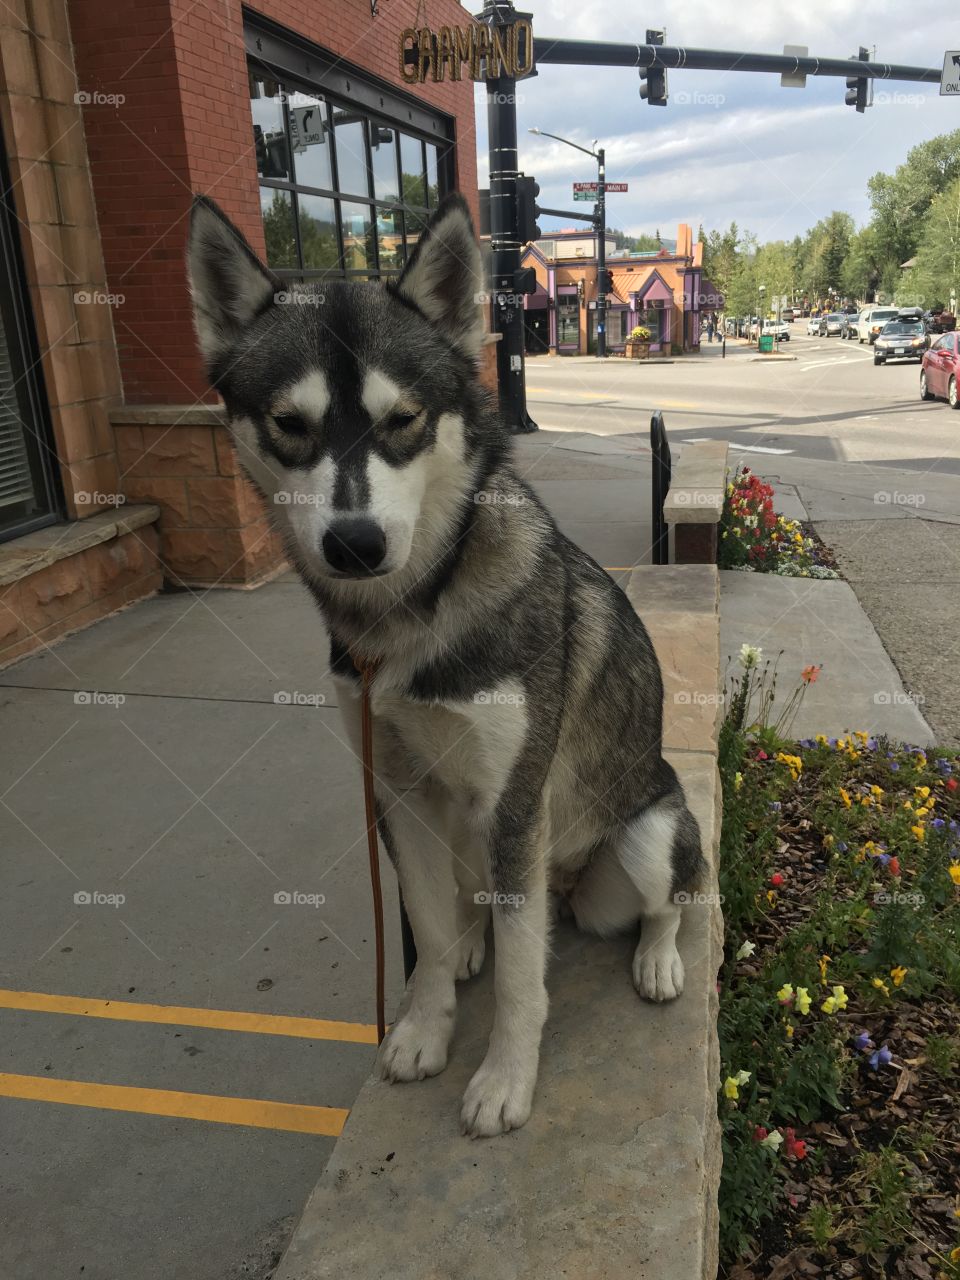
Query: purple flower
x=863 y=1041
x=938 y=823
x=894 y=767
x=775 y=806
x=880 y=1057
x=871 y=744
x=842 y=846
x=882 y=858
x=807 y=743
x=831 y=742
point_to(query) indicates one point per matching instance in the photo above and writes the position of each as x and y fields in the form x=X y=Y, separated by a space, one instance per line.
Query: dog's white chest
x=470 y=747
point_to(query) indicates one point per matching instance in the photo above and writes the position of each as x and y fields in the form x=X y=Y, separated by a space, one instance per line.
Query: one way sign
x=950 y=80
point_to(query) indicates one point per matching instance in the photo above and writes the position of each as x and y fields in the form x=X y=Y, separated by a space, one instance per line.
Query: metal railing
x=660 y=480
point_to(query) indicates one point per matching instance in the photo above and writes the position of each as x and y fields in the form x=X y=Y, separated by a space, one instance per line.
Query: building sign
x=487 y=52
x=950 y=80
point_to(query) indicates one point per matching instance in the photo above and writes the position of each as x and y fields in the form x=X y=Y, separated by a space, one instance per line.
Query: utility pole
x=601 y=255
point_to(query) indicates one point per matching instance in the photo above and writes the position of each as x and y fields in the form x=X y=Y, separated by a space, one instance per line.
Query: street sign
x=794 y=79
x=588 y=190
x=950 y=80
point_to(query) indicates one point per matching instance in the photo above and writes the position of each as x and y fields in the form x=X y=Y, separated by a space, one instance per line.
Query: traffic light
x=527 y=212
x=858 y=87
x=653 y=80
x=606 y=282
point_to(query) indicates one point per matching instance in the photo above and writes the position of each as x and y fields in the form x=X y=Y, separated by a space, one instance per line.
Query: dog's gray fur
x=517 y=702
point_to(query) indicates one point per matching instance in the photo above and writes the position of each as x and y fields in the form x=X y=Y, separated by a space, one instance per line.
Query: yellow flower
x=840 y=996
x=876 y=792
x=828 y=841
x=862 y=735
x=737 y=781
x=922 y=813
x=923 y=792
x=803 y=1000
x=881 y=986
x=785 y=994
x=772 y=897
x=918 y=832
x=731 y=1086
x=955 y=1253
x=898 y=974
x=823 y=962
x=829 y=1005
x=845 y=798
x=954 y=872
x=821 y=740
x=789 y=1029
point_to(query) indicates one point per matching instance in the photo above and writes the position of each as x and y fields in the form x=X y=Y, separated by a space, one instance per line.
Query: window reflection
x=318 y=232
x=310 y=141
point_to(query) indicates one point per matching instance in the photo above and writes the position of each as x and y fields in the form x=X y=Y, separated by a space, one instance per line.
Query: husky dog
x=517 y=699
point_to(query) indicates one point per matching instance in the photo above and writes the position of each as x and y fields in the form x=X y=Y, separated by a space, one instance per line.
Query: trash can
x=766 y=342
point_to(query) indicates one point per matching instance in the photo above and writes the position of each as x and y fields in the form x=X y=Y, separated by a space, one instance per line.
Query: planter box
x=637 y=350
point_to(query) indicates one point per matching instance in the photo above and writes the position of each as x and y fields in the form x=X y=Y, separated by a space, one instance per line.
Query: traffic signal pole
x=505 y=246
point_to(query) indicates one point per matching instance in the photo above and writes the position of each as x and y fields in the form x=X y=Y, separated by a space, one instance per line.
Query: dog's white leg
x=647 y=854
x=414 y=833
x=473 y=898
x=500 y=1095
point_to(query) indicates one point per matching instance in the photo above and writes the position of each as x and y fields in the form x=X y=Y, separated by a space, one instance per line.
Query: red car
x=940 y=371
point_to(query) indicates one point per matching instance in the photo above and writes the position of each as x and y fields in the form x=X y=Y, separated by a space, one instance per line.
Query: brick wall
x=184 y=126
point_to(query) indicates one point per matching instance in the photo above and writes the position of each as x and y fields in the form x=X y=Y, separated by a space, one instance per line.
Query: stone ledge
x=169 y=415
x=23 y=556
x=698 y=484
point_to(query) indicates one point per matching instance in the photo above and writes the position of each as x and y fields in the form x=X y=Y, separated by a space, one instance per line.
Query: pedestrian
x=710 y=327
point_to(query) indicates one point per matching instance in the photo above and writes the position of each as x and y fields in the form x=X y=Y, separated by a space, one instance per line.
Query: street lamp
x=600 y=223
x=761 y=289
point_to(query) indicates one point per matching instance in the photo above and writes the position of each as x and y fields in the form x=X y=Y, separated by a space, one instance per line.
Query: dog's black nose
x=354 y=544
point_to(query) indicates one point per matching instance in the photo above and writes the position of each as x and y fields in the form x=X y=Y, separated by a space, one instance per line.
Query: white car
x=813 y=326
x=779 y=328
x=876 y=318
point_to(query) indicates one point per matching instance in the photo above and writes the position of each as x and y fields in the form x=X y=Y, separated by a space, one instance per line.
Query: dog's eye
x=291 y=423
x=397 y=421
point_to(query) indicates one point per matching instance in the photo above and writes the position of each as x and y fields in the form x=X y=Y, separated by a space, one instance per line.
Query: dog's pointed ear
x=228 y=284
x=444 y=277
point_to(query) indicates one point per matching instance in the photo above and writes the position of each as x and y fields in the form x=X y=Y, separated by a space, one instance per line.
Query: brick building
x=116 y=472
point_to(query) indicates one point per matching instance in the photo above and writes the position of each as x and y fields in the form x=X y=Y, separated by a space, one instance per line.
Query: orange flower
x=809 y=674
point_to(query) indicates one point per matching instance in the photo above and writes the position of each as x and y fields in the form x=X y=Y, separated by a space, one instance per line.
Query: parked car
x=779 y=328
x=940 y=321
x=813 y=326
x=904 y=338
x=940 y=370
x=788 y=314
x=830 y=324
x=879 y=316
x=863 y=323
x=847 y=325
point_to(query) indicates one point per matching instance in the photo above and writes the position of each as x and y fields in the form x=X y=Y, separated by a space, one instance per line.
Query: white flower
x=746 y=949
x=750 y=656
x=772 y=1140
x=742 y=1077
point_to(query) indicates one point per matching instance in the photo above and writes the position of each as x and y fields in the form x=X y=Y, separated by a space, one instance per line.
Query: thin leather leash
x=367 y=671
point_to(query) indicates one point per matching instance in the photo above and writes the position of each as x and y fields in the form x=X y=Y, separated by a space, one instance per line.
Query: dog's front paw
x=658 y=972
x=499 y=1097
x=416 y=1048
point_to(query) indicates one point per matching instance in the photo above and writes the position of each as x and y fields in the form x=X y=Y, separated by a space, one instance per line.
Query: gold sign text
x=487 y=52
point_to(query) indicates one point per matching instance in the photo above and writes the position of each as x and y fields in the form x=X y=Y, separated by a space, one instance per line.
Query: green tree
x=935 y=278
x=862 y=268
x=900 y=200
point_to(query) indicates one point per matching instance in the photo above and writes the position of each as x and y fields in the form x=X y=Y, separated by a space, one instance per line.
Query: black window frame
x=16 y=315
x=298 y=66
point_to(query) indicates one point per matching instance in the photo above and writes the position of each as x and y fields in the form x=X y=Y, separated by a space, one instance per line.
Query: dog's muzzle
x=354 y=545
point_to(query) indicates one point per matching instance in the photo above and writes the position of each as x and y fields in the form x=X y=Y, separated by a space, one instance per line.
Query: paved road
x=829 y=404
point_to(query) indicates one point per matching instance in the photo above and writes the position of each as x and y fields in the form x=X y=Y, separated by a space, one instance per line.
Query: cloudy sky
x=731 y=145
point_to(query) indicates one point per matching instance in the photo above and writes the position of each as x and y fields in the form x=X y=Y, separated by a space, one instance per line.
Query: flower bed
x=755 y=538
x=839 y=1000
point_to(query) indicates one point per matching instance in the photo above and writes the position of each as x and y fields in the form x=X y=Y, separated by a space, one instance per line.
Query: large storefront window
x=342 y=191
x=654 y=317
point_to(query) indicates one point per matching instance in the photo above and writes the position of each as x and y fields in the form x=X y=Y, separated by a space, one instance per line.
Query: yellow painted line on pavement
x=254 y=1112
x=272 y=1024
